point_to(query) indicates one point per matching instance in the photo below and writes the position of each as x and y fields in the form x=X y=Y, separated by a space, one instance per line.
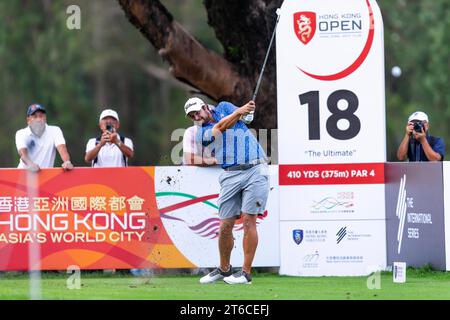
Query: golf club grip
x=248 y=118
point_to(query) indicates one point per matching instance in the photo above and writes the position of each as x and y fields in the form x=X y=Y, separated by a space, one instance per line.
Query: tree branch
x=190 y=62
x=163 y=75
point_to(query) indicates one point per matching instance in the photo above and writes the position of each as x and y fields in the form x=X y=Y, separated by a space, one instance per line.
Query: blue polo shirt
x=237 y=145
x=415 y=149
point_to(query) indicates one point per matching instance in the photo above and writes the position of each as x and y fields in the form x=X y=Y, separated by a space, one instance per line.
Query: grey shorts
x=243 y=191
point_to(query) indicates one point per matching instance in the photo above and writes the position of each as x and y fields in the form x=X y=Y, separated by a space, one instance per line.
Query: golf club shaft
x=249 y=118
x=258 y=83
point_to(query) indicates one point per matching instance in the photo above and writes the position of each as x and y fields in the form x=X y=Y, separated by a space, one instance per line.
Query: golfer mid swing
x=244 y=183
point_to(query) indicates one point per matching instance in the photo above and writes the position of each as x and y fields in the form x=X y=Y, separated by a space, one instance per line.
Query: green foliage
x=192 y=16
x=40 y=65
x=234 y=52
x=424 y=270
x=77 y=73
x=417 y=40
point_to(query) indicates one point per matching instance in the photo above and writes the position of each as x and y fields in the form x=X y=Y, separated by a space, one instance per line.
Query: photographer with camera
x=418 y=144
x=109 y=149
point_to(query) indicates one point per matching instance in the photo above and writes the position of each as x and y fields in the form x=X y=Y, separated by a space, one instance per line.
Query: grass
x=421 y=284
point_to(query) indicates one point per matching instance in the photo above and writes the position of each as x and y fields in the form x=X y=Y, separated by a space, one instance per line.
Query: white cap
x=193 y=104
x=418 y=115
x=108 y=113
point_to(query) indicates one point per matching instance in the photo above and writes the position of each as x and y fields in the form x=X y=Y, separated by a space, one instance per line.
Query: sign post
x=332 y=143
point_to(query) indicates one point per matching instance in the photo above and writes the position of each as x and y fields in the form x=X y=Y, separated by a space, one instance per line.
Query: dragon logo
x=305 y=26
x=302 y=30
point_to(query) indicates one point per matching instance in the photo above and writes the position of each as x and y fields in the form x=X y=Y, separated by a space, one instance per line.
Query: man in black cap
x=37 y=143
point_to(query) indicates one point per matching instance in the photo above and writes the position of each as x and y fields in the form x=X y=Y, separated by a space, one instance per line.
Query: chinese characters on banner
x=92 y=218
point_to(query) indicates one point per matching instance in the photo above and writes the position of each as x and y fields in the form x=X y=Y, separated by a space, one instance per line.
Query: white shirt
x=192 y=145
x=110 y=154
x=41 y=151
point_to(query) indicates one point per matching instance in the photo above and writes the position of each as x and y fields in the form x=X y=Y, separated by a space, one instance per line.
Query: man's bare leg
x=250 y=241
x=226 y=242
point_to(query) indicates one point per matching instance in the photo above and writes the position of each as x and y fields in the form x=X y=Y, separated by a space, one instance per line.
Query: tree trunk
x=244 y=27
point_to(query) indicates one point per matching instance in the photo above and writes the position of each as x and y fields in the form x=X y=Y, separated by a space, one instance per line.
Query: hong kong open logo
x=305 y=26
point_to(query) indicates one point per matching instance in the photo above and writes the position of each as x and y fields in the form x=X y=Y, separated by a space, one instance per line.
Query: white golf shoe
x=240 y=277
x=216 y=274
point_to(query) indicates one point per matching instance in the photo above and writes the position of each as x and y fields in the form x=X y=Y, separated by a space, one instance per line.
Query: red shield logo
x=305 y=25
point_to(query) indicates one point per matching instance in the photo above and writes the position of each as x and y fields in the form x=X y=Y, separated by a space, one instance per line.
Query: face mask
x=37 y=127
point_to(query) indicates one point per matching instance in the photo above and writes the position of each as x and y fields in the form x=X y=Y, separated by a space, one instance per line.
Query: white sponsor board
x=333 y=202
x=446 y=172
x=340 y=248
x=187 y=200
x=331 y=126
x=399 y=272
x=330 y=82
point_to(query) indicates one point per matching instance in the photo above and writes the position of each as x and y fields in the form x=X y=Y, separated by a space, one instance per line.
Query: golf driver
x=249 y=117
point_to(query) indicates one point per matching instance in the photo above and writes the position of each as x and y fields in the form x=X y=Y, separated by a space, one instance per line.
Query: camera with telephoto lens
x=418 y=126
x=109 y=127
